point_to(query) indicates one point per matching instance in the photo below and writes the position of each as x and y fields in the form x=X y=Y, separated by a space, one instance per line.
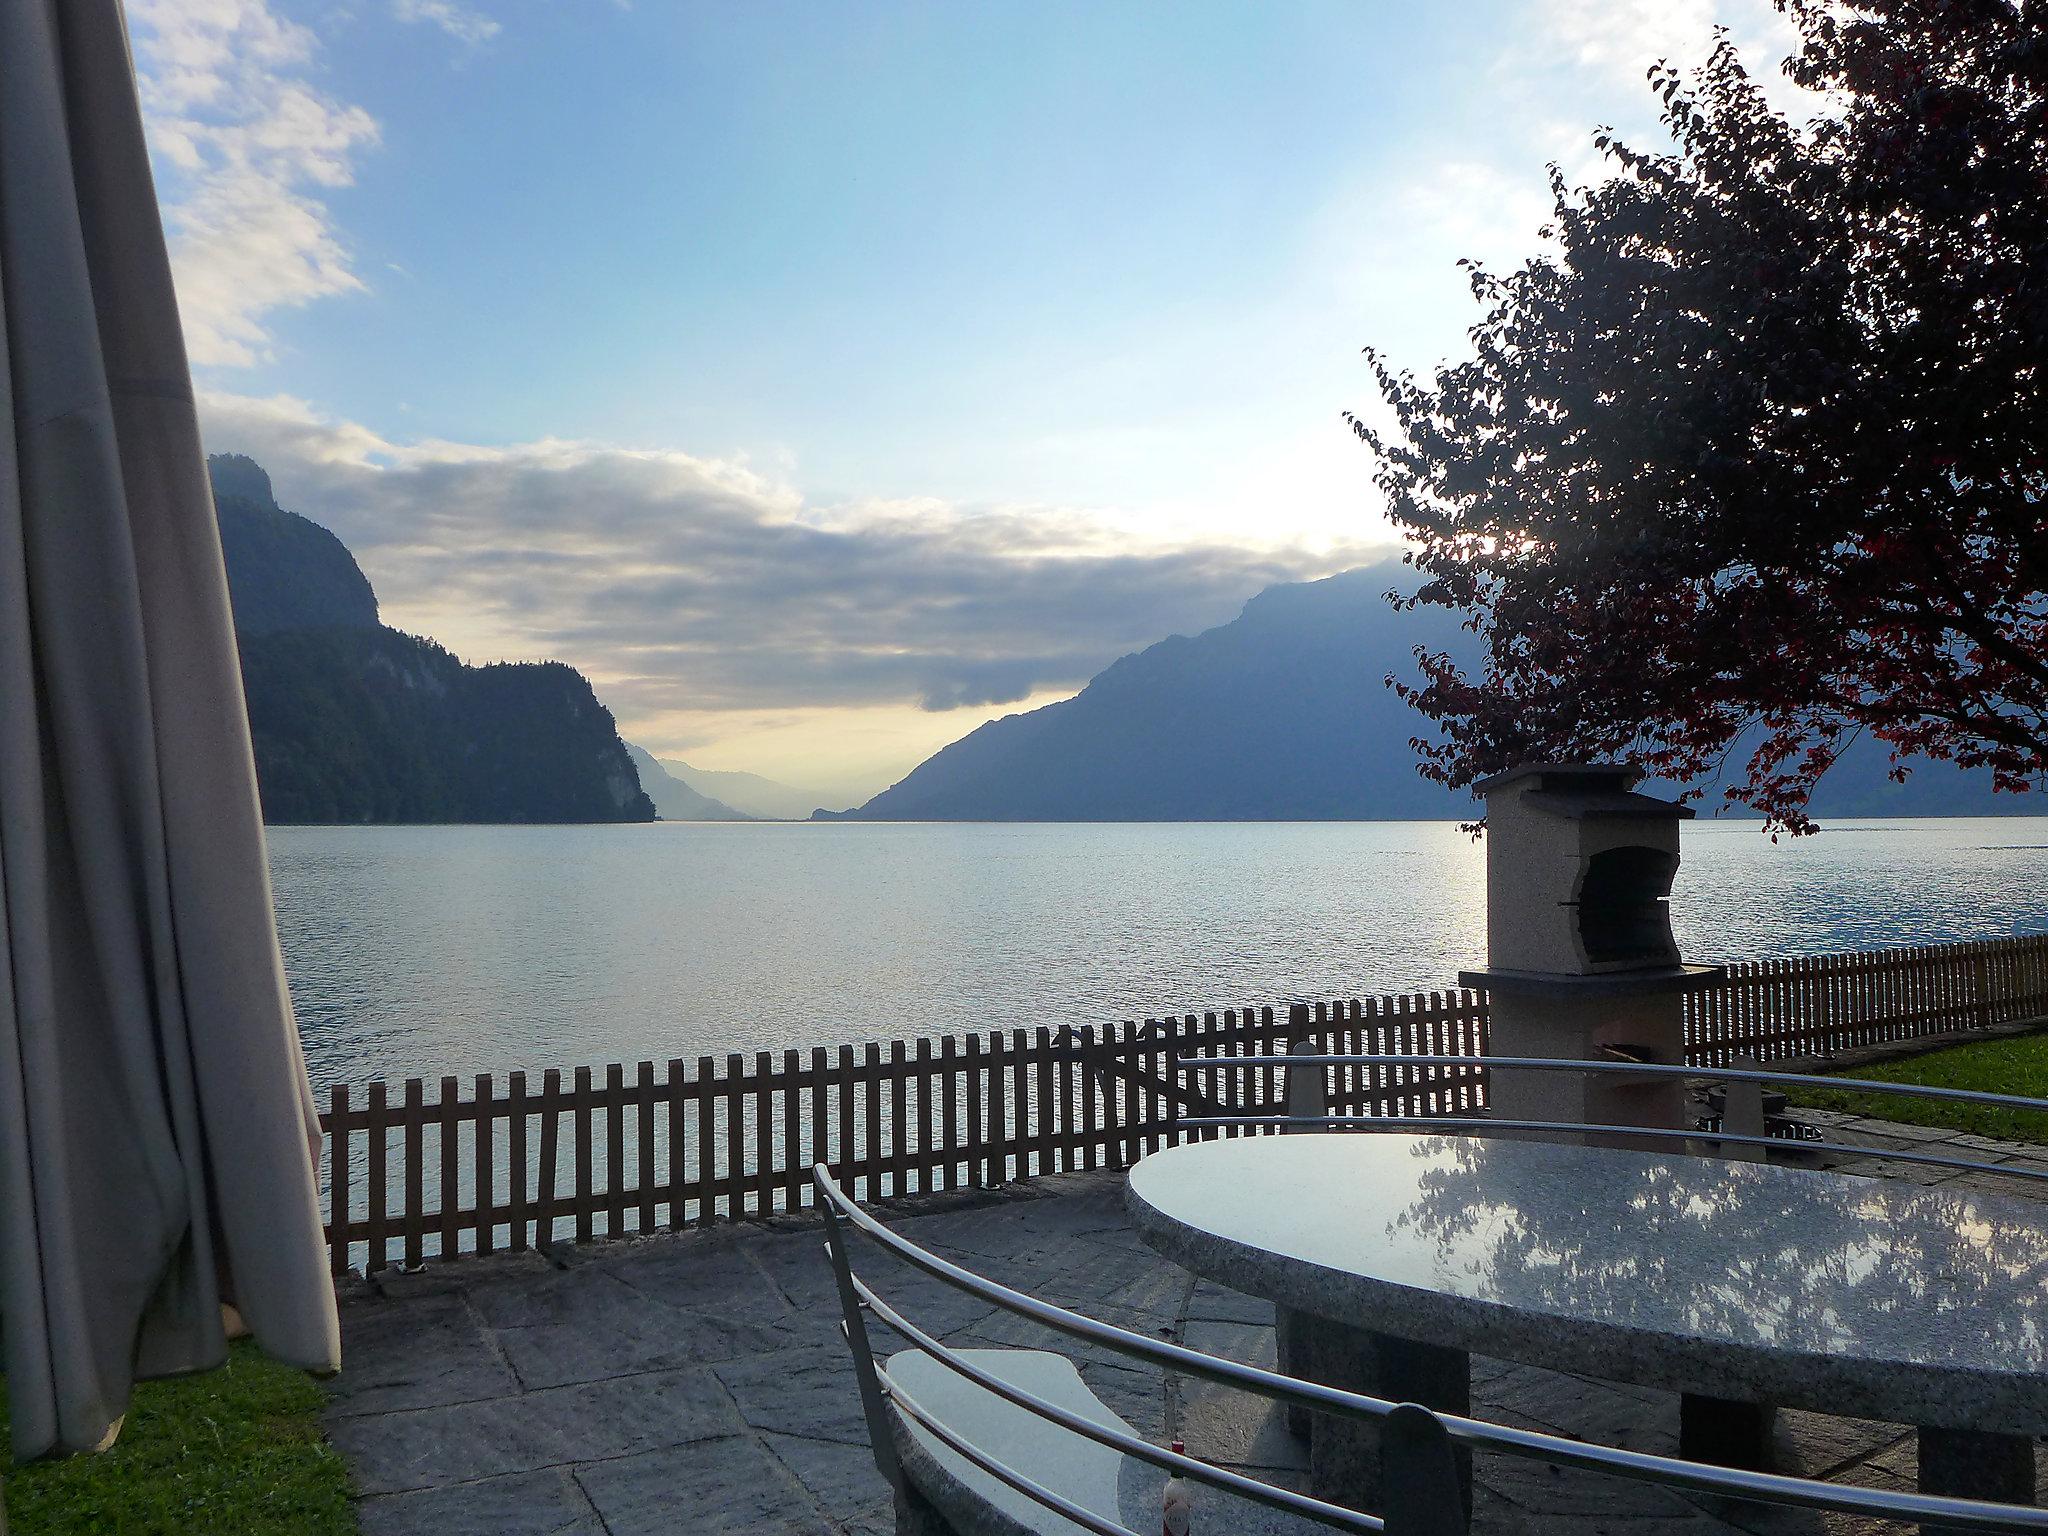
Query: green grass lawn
x=237 y=1451
x=2018 y=1065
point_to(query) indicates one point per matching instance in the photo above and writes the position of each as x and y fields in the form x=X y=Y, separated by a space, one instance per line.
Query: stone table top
x=1857 y=1296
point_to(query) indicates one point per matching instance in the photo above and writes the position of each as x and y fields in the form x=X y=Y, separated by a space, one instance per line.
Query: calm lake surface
x=424 y=950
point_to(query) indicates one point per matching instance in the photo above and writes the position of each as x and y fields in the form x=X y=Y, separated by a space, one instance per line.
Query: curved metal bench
x=1012 y=1442
x=1100 y=1479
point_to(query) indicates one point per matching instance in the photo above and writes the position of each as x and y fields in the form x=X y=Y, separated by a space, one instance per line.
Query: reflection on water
x=467 y=949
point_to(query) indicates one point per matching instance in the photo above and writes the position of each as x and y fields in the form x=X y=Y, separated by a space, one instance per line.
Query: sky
x=824 y=380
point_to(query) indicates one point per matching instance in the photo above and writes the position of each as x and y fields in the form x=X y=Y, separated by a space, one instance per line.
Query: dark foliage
x=1752 y=463
x=369 y=725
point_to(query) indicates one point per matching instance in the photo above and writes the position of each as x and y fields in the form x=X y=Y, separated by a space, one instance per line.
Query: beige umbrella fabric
x=157 y=1135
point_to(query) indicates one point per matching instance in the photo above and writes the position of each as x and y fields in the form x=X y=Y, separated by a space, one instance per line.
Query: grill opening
x=1624 y=913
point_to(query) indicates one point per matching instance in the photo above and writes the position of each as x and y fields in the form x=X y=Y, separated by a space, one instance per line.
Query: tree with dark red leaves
x=1753 y=460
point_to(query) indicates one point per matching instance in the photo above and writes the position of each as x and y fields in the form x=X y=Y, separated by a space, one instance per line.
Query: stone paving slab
x=697 y=1383
x=526 y=1432
x=550 y=1501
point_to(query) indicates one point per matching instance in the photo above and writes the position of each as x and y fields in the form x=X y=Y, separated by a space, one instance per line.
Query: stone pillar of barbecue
x=1581 y=965
x=1580 y=958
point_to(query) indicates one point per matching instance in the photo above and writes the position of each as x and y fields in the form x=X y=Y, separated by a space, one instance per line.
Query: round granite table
x=1756 y=1284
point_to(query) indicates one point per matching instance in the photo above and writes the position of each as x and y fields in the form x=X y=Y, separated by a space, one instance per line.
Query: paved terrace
x=696 y=1382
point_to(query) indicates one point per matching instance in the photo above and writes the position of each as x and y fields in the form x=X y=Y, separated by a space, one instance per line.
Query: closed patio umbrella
x=157 y=1135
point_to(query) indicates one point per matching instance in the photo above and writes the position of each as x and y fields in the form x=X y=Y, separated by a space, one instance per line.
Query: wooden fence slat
x=676 y=1105
x=337 y=1179
x=643 y=1152
x=1176 y=1041
x=614 y=1104
x=1043 y=1115
x=764 y=1134
x=515 y=1159
x=1019 y=1111
x=550 y=1148
x=580 y=1106
x=451 y=1167
x=378 y=1193
x=706 y=1181
x=821 y=1126
x=1122 y=1102
x=971 y=1081
x=848 y=1158
x=949 y=1111
x=922 y=1067
x=792 y=1132
x=872 y=1144
x=415 y=1214
x=735 y=1137
x=1087 y=1109
x=992 y=1168
x=486 y=1186
x=899 y=1119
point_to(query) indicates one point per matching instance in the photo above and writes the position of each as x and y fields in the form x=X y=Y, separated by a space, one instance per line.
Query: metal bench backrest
x=1422 y=1496
x=1429 y=1493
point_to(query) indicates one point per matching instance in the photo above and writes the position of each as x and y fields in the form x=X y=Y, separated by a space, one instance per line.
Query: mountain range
x=353 y=721
x=1282 y=714
x=750 y=792
x=674 y=799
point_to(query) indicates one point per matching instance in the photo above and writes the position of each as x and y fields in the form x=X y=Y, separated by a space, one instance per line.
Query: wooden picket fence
x=514 y=1163
x=1819 y=1005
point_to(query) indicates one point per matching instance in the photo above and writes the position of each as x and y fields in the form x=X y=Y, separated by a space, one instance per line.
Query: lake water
x=424 y=950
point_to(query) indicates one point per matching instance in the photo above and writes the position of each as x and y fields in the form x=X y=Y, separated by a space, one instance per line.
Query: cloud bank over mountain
x=688 y=584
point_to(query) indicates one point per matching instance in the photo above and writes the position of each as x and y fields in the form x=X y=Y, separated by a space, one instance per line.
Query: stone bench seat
x=954 y=1497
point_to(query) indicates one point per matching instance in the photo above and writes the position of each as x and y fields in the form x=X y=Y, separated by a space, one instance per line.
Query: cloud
x=1625 y=37
x=1621 y=39
x=246 y=146
x=458 y=21
x=1472 y=208
x=689 y=584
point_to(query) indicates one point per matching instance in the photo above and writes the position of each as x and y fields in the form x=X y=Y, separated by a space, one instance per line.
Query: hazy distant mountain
x=749 y=792
x=673 y=799
x=355 y=722
x=1283 y=715
x=1859 y=788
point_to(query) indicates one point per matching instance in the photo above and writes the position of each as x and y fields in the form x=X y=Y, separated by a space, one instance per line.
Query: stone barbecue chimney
x=1580 y=958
